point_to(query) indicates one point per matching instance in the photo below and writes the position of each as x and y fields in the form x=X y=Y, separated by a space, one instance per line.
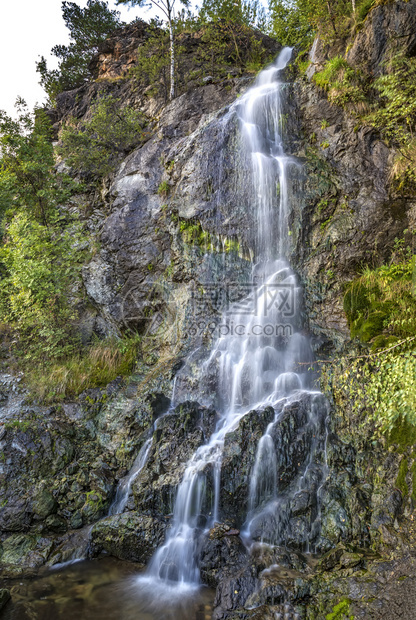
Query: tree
x=27 y=177
x=290 y=24
x=248 y=12
x=167 y=8
x=88 y=27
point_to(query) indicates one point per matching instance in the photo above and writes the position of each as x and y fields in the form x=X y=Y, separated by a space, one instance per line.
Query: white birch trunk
x=172 y=59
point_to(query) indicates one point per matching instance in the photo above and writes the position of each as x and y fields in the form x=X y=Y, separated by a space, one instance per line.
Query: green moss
x=193 y=234
x=401 y=483
x=372 y=326
x=402 y=435
x=94 y=498
x=341 y=611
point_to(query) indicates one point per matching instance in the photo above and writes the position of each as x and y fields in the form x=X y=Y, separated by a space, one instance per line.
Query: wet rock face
x=175 y=440
x=222 y=554
x=53 y=478
x=240 y=449
x=184 y=175
x=128 y=536
x=4 y=597
x=60 y=466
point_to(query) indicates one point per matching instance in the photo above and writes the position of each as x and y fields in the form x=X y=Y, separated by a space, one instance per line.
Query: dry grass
x=97 y=366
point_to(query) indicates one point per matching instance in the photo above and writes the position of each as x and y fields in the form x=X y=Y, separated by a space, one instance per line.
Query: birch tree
x=167 y=8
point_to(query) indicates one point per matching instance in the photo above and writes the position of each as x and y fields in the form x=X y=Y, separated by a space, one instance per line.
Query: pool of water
x=103 y=589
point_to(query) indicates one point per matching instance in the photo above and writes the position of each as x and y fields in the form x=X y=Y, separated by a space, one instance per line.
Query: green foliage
x=394 y=114
x=163 y=189
x=152 y=69
x=88 y=27
x=39 y=256
x=380 y=305
x=381 y=309
x=364 y=8
x=96 y=145
x=290 y=24
x=250 y=12
x=295 y=22
x=219 y=46
x=40 y=265
x=383 y=385
x=402 y=434
x=345 y=86
x=27 y=176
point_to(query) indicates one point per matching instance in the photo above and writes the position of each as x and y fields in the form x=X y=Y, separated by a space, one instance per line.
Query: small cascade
x=124 y=486
x=260 y=358
x=263 y=482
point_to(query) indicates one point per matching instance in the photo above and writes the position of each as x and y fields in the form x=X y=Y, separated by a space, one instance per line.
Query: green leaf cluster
x=394 y=114
x=380 y=305
x=94 y=146
x=40 y=267
x=296 y=22
x=381 y=309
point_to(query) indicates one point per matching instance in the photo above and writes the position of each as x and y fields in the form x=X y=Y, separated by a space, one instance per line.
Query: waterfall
x=262 y=357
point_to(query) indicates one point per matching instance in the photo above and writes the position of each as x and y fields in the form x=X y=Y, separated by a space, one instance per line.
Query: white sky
x=28 y=30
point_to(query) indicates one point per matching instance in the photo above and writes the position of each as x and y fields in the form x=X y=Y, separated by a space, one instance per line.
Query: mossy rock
x=402 y=435
x=371 y=327
x=383 y=341
x=340 y=611
x=401 y=483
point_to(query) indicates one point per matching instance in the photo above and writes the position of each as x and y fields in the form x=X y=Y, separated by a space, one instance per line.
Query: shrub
x=345 y=86
x=41 y=265
x=96 y=145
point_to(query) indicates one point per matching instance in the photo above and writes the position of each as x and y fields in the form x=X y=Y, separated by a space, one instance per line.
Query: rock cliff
x=174 y=218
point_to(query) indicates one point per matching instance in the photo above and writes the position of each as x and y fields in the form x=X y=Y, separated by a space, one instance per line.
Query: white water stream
x=266 y=361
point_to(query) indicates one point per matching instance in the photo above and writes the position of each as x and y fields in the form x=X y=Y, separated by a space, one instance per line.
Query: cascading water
x=124 y=486
x=263 y=358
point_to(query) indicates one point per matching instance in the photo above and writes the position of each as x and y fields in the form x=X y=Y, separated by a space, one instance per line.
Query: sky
x=28 y=30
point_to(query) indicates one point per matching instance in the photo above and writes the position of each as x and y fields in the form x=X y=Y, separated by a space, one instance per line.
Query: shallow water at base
x=103 y=589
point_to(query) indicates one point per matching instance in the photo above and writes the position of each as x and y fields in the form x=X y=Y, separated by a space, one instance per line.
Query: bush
x=94 y=147
x=40 y=265
x=28 y=181
x=345 y=86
